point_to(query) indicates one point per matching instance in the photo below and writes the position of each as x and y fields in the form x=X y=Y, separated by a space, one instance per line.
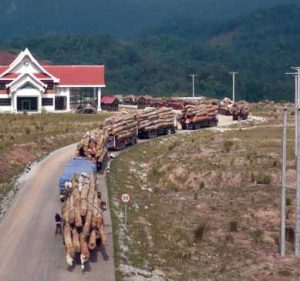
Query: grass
x=25 y=137
x=182 y=184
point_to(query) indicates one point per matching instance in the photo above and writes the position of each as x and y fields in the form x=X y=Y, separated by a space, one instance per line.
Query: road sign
x=125 y=198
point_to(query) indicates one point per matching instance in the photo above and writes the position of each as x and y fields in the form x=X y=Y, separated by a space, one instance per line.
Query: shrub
x=27 y=130
x=202 y=185
x=200 y=230
x=229 y=238
x=263 y=179
x=233 y=226
x=288 y=201
x=252 y=177
x=196 y=196
x=257 y=235
x=227 y=145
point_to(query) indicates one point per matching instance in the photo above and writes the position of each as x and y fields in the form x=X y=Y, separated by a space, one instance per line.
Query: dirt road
x=29 y=249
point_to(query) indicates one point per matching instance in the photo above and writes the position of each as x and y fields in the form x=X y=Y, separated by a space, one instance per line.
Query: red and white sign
x=125 y=198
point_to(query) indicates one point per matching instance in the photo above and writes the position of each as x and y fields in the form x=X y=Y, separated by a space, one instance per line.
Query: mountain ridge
x=261 y=46
x=122 y=18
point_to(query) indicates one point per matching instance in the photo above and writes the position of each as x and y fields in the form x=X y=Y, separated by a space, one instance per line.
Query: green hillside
x=31 y=18
x=261 y=46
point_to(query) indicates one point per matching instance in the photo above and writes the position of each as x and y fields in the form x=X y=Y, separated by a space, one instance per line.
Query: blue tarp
x=76 y=166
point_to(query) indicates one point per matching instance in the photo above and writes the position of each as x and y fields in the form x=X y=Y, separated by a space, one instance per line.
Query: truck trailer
x=152 y=134
x=116 y=143
x=204 y=123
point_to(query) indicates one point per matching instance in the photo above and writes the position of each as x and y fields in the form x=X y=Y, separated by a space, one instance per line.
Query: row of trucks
x=82 y=206
x=238 y=110
x=125 y=130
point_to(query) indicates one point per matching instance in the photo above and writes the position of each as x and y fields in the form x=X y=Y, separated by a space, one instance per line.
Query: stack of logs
x=225 y=106
x=192 y=113
x=153 y=119
x=94 y=145
x=240 y=110
x=121 y=126
x=82 y=219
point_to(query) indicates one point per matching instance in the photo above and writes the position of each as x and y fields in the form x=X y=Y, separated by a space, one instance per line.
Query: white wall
x=4 y=109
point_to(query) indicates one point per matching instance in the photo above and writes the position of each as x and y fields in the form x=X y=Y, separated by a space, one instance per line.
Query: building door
x=60 y=103
x=27 y=103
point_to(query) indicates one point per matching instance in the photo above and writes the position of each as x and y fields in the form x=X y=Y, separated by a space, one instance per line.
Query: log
x=65 y=212
x=71 y=210
x=78 y=219
x=76 y=242
x=84 y=202
x=103 y=235
x=88 y=222
x=92 y=240
x=97 y=216
x=68 y=241
x=84 y=247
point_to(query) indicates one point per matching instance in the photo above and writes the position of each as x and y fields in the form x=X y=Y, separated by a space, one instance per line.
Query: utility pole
x=297 y=223
x=297 y=145
x=297 y=101
x=193 y=83
x=297 y=154
x=233 y=73
x=296 y=106
x=283 y=183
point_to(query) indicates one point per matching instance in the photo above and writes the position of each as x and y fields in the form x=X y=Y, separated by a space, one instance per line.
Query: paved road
x=29 y=249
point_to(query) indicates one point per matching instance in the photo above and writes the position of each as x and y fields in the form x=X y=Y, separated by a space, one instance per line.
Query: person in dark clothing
x=58 y=222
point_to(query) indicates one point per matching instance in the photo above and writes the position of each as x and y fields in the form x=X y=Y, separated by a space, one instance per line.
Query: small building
x=28 y=86
x=109 y=103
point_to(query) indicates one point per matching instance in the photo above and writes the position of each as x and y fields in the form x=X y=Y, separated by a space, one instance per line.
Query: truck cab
x=77 y=165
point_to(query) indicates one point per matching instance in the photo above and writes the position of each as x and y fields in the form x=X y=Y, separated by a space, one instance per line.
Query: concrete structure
x=26 y=85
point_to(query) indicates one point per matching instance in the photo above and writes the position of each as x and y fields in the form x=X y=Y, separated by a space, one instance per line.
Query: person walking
x=58 y=222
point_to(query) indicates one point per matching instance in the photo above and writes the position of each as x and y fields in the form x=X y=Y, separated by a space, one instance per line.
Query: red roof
x=78 y=75
x=72 y=75
x=108 y=100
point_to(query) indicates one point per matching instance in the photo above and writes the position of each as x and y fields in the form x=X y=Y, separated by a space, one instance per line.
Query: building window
x=82 y=97
x=5 y=102
x=50 y=86
x=47 y=101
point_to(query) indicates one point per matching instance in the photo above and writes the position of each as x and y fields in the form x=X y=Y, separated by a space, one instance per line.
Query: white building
x=26 y=85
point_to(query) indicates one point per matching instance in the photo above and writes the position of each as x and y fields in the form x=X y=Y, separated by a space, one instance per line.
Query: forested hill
x=31 y=18
x=261 y=46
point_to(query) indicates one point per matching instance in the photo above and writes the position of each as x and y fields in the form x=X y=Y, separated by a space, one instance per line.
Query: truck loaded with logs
x=83 y=224
x=238 y=110
x=154 y=122
x=195 y=117
x=122 y=131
